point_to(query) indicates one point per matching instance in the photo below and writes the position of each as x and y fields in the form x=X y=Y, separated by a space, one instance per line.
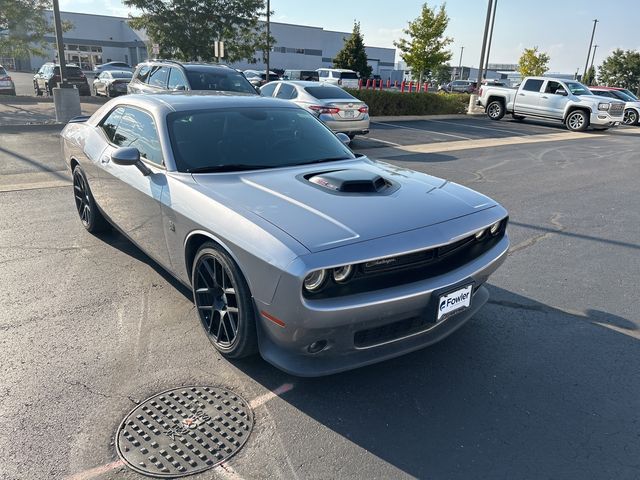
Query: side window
x=533 y=85
x=143 y=73
x=324 y=74
x=268 y=89
x=286 y=91
x=552 y=87
x=110 y=123
x=158 y=77
x=604 y=94
x=137 y=129
x=176 y=77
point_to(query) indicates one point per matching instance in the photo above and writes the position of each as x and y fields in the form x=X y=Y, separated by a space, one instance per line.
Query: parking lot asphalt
x=542 y=384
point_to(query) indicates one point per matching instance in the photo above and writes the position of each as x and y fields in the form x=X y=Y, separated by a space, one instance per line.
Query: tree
x=425 y=50
x=187 y=29
x=353 y=55
x=621 y=69
x=533 y=63
x=442 y=74
x=22 y=27
x=590 y=77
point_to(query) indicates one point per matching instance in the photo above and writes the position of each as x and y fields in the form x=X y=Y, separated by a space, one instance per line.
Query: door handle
x=105 y=159
x=544 y=96
x=522 y=94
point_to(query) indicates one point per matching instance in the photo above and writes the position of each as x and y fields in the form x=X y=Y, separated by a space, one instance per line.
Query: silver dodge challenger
x=320 y=259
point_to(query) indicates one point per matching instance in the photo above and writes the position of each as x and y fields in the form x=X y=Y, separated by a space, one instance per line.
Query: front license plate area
x=454 y=302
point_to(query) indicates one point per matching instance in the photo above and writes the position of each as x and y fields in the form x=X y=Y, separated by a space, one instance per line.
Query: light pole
x=493 y=22
x=484 y=41
x=268 y=52
x=460 y=63
x=595 y=47
x=586 y=64
x=60 y=45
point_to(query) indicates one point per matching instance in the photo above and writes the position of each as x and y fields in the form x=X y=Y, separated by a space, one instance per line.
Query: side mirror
x=561 y=91
x=130 y=156
x=258 y=89
x=180 y=88
x=344 y=138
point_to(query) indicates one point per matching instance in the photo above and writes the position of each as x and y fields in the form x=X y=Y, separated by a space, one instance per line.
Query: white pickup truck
x=553 y=99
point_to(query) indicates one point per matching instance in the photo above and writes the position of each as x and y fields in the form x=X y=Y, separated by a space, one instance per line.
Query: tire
x=517 y=118
x=223 y=300
x=577 y=121
x=631 y=117
x=495 y=110
x=91 y=218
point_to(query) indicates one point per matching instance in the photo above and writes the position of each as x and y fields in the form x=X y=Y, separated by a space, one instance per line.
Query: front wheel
x=90 y=216
x=577 y=121
x=495 y=110
x=630 y=117
x=223 y=302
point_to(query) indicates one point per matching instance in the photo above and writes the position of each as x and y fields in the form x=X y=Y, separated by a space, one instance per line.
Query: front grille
x=616 y=109
x=413 y=267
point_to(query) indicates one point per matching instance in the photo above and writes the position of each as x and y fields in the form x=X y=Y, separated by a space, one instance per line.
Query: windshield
x=631 y=94
x=71 y=71
x=623 y=95
x=220 y=80
x=329 y=92
x=577 y=88
x=250 y=138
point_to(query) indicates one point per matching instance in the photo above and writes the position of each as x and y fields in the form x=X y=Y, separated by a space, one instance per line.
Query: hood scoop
x=352 y=181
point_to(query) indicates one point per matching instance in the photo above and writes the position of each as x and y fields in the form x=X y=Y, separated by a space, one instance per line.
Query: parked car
x=120 y=66
x=292 y=245
x=632 y=103
x=7 y=86
x=567 y=101
x=305 y=75
x=112 y=83
x=159 y=76
x=48 y=77
x=460 y=86
x=257 y=78
x=339 y=76
x=337 y=109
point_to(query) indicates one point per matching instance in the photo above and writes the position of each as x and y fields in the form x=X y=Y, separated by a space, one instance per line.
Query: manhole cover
x=184 y=431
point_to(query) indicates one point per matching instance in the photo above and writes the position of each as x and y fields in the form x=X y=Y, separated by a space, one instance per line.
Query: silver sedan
x=337 y=109
x=293 y=246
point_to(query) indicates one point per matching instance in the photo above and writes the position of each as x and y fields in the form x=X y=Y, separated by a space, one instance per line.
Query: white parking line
x=422 y=130
x=384 y=141
x=498 y=129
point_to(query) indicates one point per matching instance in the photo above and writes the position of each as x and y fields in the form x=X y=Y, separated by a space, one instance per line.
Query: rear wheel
x=577 y=121
x=630 y=117
x=90 y=216
x=495 y=110
x=223 y=302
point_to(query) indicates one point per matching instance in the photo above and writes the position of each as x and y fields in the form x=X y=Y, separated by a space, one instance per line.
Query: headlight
x=314 y=281
x=604 y=106
x=480 y=234
x=342 y=274
x=494 y=228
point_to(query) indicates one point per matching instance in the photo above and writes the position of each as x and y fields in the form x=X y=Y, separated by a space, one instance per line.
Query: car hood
x=320 y=219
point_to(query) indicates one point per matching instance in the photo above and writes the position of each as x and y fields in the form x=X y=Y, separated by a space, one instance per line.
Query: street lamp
x=586 y=64
x=493 y=22
x=268 y=52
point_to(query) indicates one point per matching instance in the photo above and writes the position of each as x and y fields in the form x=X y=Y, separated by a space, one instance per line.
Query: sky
x=562 y=29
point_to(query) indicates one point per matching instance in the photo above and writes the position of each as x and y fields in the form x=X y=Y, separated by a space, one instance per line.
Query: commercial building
x=95 y=39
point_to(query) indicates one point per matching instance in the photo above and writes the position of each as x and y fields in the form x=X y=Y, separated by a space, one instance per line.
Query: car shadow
x=115 y=239
x=525 y=390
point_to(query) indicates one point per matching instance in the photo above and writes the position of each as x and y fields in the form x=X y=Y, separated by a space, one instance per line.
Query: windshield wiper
x=231 y=167
x=322 y=160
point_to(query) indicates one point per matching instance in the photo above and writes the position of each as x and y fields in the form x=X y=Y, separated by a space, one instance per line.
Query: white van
x=339 y=76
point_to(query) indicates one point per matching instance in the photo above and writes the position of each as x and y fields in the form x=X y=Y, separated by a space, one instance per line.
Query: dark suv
x=48 y=77
x=157 y=76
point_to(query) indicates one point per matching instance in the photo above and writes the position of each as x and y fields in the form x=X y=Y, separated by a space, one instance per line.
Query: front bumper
x=338 y=320
x=602 y=118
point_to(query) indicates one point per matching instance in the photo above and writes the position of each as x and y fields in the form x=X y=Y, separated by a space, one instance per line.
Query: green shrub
x=384 y=102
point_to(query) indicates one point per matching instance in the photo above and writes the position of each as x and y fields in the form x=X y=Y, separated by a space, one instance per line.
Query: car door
x=528 y=97
x=177 y=80
x=552 y=100
x=133 y=200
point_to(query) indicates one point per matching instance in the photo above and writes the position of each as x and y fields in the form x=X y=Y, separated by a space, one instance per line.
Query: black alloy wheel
x=90 y=216
x=630 y=117
x=223 y=302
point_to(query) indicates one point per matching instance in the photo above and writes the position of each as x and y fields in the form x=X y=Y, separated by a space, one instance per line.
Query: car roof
x=118 y=71
x=607 y=88
x=187 y=65
x=180 y=101
x=336 y=69
x=308 y=83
